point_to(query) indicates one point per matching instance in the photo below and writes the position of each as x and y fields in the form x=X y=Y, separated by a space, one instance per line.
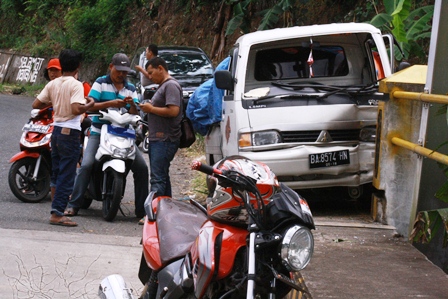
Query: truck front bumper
x=292 y=166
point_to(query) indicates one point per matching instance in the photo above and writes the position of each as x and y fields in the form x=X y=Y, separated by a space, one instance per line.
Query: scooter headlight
x=118 y=152
x=297 y=248
x=122 y=153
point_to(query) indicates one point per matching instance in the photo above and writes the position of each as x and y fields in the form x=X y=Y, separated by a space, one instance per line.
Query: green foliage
x=93 y=27
x=410 y=26
x=428 y=223
x=239 y=19
x=270 y=16
x=361 y=12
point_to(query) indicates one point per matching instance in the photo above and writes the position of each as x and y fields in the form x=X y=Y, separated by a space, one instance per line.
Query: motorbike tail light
x=297 y=248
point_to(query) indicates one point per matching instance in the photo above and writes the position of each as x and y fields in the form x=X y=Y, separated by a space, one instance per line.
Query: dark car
x=190 y=66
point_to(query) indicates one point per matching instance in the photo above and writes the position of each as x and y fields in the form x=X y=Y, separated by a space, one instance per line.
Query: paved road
x=14 y=113
x=353 y=257
x=84 y=254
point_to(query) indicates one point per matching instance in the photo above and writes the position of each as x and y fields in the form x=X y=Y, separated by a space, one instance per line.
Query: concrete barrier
x=17 y=68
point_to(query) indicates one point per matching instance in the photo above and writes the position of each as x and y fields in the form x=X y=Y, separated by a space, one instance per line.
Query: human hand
x=138 y=68
x=118 y=103
x=146 y=107
x=129 y=100
x=89 y=103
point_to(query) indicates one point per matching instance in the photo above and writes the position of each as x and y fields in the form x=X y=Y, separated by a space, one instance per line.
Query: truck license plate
x=329 y=159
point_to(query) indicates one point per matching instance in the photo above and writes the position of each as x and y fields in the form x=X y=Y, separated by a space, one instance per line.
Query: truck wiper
x=298 y=86
x=287 y=96
x=352 y=91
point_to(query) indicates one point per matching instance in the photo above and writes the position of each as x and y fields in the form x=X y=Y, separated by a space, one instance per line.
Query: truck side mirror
x=224 y=80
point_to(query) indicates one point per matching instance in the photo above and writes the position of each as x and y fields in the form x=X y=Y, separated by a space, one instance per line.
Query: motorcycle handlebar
x=207 y=169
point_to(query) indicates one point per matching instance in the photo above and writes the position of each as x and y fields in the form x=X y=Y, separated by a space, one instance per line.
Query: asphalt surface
x=353 y=258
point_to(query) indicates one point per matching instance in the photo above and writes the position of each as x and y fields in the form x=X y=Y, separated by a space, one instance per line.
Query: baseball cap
x=54 y=63
x=121 y=62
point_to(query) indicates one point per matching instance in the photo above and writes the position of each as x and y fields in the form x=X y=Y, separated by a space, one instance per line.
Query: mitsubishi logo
x=324 y=136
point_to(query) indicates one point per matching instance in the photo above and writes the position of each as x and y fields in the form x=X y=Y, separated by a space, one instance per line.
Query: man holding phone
x=112 y=90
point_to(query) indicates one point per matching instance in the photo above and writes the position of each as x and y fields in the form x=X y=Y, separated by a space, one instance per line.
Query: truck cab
x=303 y=100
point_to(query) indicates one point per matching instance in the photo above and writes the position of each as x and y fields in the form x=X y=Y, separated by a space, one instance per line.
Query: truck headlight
x=259 y=138
x=368 y=134
x=297 y=247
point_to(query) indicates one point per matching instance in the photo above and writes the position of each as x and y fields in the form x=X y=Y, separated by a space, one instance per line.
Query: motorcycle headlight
x=259 y=138
x=297 y=248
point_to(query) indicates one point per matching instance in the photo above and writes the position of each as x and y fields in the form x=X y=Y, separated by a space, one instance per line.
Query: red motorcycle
x=250 y=241
x=29 y=175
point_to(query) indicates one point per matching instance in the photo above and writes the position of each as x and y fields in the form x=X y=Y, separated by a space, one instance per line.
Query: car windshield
x=188 y=64
x=297 y=62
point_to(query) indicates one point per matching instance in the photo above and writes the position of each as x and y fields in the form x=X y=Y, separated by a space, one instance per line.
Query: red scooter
x=250 y=241
x=29 y=175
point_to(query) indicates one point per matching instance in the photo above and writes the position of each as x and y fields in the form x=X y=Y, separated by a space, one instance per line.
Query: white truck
x=303 y=100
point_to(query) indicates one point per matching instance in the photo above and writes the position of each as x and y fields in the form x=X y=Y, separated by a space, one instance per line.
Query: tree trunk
x=219 y=40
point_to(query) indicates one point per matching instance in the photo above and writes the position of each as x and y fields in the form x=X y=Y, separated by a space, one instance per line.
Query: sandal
x=71 y=212
x=62 y=220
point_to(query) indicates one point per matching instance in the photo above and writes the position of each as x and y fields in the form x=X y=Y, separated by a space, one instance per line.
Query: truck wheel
x=112 y=193
x=23 y=186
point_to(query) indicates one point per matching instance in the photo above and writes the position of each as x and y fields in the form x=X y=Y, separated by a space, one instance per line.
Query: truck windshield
x=300 y=62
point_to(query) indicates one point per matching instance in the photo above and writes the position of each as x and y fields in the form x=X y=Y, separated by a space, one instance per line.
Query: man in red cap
x=53 y=70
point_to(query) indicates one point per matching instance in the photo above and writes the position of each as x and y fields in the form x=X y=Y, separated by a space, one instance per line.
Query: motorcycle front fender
x=150 y=241
x=24 y=154
x=115 y=164
x=216 y=241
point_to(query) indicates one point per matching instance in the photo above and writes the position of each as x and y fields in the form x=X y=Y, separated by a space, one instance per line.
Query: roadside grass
x=198 y=182
x=21 y=89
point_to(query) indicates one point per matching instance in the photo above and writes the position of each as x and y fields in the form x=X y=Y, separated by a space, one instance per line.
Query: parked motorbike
x=113 y=160
x=251 y=240
x=114 y=287
x=29 y=175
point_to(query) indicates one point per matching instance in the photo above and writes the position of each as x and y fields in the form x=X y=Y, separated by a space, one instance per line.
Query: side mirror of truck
x=224 y=80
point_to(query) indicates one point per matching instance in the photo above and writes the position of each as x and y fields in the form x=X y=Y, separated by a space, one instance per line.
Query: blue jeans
x=139 y=169
x=161 y=153
x=65 y=152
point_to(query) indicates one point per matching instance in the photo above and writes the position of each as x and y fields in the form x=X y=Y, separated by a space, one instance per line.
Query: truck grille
x=312 y=136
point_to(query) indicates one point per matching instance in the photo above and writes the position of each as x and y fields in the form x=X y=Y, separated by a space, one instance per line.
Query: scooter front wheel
x=21 y=183
x=112 y=190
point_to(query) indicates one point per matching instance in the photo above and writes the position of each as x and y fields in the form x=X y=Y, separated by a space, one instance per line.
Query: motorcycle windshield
x=121 y=132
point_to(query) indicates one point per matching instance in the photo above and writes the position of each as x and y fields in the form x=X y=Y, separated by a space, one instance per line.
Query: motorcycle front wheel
x=21 y=183
x=112 y=192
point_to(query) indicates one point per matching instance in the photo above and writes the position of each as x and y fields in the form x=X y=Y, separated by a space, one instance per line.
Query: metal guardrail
x=423 y=151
